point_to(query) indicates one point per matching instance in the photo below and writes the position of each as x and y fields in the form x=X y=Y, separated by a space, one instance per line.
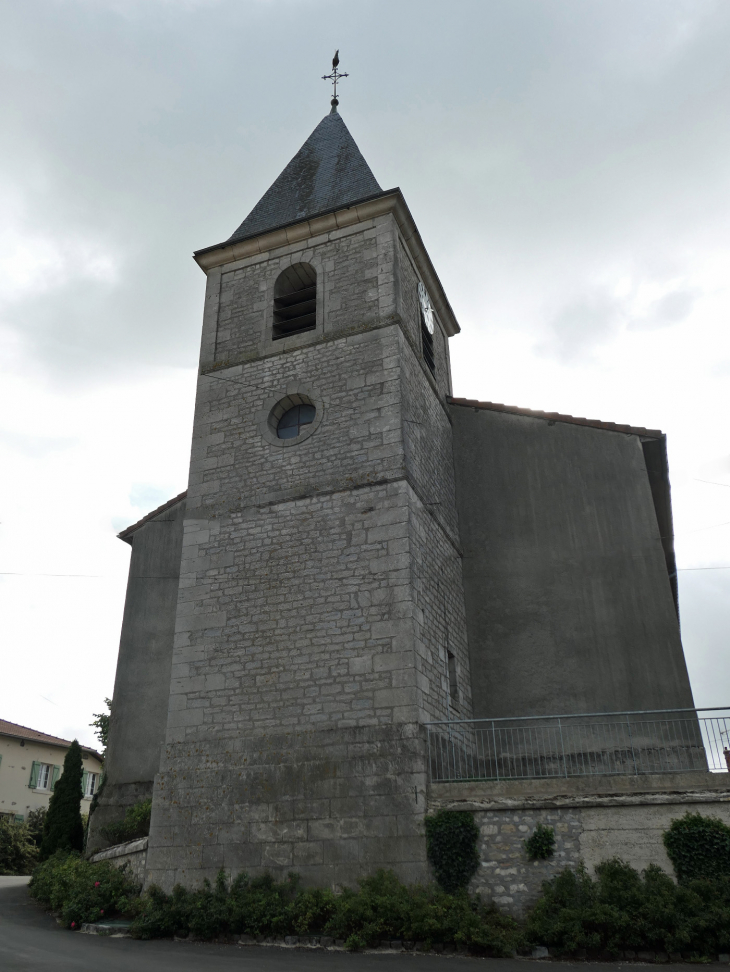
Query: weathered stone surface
x=319 y=584
x=617 y=821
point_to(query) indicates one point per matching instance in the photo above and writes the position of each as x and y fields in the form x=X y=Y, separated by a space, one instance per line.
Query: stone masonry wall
x=506 y=876
x=594 y=819
x=330 y=804
x=355 y=290
x=319 y=589
x=409 y=311
x=589 y=834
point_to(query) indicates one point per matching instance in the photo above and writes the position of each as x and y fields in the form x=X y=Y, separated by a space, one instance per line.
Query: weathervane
x=334 y=78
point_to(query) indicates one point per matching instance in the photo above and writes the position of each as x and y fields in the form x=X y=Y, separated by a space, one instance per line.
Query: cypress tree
x=63 y=828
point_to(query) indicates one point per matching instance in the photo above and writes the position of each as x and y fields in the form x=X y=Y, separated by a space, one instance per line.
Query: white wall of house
x=28 y=771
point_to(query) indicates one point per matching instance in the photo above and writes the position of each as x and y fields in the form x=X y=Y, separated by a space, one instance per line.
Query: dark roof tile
x=23 y=732
x=327 y=173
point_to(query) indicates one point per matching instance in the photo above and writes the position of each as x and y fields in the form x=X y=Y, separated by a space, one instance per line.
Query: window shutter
x=34 y=771
x=56 y=774
x=19 y=817
x=84 y=781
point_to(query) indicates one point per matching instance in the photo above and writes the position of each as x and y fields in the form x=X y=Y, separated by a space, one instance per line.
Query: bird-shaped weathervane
x=334 y=78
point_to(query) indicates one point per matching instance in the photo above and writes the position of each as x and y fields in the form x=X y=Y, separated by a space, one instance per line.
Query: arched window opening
x=295 y=301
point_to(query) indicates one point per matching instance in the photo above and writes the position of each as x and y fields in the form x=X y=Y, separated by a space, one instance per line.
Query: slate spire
x=328 y=172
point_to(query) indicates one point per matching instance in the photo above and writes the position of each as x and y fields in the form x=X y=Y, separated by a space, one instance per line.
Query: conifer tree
x=63 y=828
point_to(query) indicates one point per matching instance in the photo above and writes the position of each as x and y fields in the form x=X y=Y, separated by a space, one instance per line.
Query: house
x=30 y=765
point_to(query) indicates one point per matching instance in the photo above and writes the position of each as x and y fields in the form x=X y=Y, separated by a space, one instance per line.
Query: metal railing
x=589 y=744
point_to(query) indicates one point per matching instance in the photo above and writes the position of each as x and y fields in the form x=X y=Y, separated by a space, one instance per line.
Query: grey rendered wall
x=569 y=604
x=142 y=683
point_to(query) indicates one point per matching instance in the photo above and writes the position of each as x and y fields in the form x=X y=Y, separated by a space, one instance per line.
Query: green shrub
x=63 y=829
x=451 y=845
x=698 y=847
x=541 y=844
x=382 y=908
x=35 y=820
x=621 y=909
x=18 y=849
x=81 y=891
x=136 y=823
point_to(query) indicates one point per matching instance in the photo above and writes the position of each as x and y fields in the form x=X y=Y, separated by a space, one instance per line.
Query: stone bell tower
x=320 y=616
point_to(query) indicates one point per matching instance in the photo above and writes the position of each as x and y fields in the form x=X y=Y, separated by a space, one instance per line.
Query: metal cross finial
x=334 y=78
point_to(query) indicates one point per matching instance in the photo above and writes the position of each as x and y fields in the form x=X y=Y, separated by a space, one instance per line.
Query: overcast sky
x=567 y=162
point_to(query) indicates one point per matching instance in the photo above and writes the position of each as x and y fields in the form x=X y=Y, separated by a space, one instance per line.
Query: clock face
x=426 y=307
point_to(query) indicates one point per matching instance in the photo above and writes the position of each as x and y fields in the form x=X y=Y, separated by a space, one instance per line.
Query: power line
x=704 y=568
x=19 y=573
x=711 y=483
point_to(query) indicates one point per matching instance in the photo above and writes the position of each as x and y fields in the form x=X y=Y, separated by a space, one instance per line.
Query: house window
x=45 y=775
x=295 y=301
x=453 y=686
x=91 y=782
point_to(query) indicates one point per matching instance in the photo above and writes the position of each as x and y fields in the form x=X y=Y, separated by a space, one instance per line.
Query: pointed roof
x=328 y=172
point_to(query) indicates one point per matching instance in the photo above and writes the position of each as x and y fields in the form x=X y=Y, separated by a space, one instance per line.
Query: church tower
x=320 y=619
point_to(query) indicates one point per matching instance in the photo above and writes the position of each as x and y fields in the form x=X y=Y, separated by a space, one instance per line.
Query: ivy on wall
x=451 y=847
x=541 y=844
x=698 y=847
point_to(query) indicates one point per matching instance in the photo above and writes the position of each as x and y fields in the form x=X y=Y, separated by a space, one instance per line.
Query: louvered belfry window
x=295 y=301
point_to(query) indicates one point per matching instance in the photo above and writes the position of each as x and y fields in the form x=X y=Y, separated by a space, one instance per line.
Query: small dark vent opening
x=295 y=301
x=427 y=346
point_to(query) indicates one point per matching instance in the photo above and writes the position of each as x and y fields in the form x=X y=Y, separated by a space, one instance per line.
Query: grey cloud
x=582 y=325
x=151 y=129
x=35 y=446
x=672 y=308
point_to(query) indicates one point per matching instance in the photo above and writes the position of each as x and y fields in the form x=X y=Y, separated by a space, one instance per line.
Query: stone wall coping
x=579 y=801
x=135 y=846
x=554 y=786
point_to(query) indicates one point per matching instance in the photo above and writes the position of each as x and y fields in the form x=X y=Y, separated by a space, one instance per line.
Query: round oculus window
x=294 y=420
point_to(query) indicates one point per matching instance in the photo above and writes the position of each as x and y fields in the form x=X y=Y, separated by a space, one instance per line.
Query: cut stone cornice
x=320 y=224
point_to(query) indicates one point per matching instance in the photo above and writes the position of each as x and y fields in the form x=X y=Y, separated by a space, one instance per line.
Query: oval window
x=294 y=420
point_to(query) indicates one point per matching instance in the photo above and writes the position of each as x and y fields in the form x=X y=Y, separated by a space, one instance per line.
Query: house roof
x=128 y=531
x=23 y=732
x=327 y=173
x=557 y=417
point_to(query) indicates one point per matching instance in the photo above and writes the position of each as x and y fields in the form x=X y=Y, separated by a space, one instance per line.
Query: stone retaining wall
x=593 y=820
x=132 y=852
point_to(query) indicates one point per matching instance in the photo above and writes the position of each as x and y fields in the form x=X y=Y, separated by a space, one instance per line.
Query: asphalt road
x=31 y=941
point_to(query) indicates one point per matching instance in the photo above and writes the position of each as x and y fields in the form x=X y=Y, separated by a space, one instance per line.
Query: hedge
x=382 y=908
x=622 y=910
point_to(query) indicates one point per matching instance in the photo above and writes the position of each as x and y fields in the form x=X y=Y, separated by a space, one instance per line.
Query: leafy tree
x=63 y=828
x=101 y=726
x=18 y=852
